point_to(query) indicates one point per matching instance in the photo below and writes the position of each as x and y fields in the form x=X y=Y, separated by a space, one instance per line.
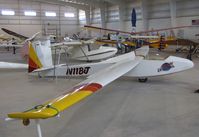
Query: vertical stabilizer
x=39 y=55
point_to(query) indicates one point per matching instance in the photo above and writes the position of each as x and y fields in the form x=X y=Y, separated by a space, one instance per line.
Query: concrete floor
x=163 y=107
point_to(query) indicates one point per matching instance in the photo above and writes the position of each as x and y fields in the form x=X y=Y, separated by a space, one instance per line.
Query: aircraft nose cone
x=182 y=63
x=190 y=63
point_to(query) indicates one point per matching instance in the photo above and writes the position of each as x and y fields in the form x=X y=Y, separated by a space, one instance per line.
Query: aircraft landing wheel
x=26 y=122
x=142 y=80
x=189 y=57
x=197 y=91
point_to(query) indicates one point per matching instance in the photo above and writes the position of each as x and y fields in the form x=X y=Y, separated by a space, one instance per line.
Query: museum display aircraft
x=45 y=67
x=76 y=49
x=157 y=41
x=132 y=64
x=84 y=50
x=17 y=41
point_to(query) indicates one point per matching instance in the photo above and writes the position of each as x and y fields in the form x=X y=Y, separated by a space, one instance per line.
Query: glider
x=78 y=50
x=42 y=64
x=132 y=64
x=83 y=50
x=19 y=41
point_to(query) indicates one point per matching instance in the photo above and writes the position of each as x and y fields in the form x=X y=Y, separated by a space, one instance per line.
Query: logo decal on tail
x=166 y=67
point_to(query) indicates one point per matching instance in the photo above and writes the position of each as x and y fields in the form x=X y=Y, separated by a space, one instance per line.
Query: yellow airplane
x=159 y=42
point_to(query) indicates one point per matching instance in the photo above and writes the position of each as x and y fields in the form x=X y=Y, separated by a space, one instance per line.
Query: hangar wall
x=158 y=16
x=29 y=25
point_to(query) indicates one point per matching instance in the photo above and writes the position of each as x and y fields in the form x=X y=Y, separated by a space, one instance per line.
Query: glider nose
x=189 y=63
x=180 y=63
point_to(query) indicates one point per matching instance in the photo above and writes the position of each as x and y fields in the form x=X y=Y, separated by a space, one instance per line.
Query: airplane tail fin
x=25 y=48
x=39 y=55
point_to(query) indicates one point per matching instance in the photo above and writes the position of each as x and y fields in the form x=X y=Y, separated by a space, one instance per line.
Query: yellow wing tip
x=31 y=115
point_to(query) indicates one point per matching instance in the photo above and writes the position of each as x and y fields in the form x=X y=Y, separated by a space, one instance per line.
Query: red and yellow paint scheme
x=52 y=107
x=89 y=86
x=129 y=64
x=33 y=61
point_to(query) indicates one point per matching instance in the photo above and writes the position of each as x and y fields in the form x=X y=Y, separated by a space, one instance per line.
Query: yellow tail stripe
x=33 y=56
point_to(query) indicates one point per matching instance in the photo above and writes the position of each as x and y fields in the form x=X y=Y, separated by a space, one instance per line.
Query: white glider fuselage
x=145 y=68
x=84 y=51
x=84 y=54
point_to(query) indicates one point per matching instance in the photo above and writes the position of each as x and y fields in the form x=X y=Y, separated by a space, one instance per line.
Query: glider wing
x=86 y=88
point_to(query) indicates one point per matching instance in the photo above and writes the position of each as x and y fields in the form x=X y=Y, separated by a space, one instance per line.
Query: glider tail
x=39 y=55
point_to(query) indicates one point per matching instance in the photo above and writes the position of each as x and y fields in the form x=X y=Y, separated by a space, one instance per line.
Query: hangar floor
x=163 y=107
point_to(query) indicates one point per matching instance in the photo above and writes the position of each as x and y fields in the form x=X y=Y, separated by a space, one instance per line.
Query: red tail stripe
x=32 y=65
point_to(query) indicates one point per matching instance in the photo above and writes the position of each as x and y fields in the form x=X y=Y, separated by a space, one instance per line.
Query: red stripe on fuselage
x=92 y=87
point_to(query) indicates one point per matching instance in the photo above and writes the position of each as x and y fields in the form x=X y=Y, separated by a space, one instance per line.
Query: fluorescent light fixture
x=7 y=12
x=50 y=14
x=30 y=13
x=70 y=15
x=82 y=15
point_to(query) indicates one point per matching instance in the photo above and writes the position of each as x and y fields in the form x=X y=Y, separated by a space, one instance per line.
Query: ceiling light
x=50 y=14
x=7 y=12
x=30 y=13
x=70 y=15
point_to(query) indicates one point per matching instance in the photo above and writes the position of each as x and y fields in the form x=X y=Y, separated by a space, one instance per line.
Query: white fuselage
x=145 y=68
x=83 y=53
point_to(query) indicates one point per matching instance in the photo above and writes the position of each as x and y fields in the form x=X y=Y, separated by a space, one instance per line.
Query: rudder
x=39 y=55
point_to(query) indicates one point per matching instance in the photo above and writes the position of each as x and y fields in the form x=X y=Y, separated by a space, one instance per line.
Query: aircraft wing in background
x=132 y=33
x=14 y=34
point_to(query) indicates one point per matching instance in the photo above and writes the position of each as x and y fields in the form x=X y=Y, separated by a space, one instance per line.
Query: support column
x=172 y=4
x=88 y=21
x=144 y=8
x=103 y=17
x=78 y=21
x=122 y=15
x=77 y=18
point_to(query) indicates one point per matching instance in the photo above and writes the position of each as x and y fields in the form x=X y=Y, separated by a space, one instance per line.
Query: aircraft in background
x=18 y=41
x=132 y=64
x=160 y=43
x=77 y=49
x=157 y=41
x=84 y=50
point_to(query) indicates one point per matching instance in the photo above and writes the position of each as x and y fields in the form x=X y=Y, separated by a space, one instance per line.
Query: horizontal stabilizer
x=150 y=68
x=42 y=69
x=9 y=65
